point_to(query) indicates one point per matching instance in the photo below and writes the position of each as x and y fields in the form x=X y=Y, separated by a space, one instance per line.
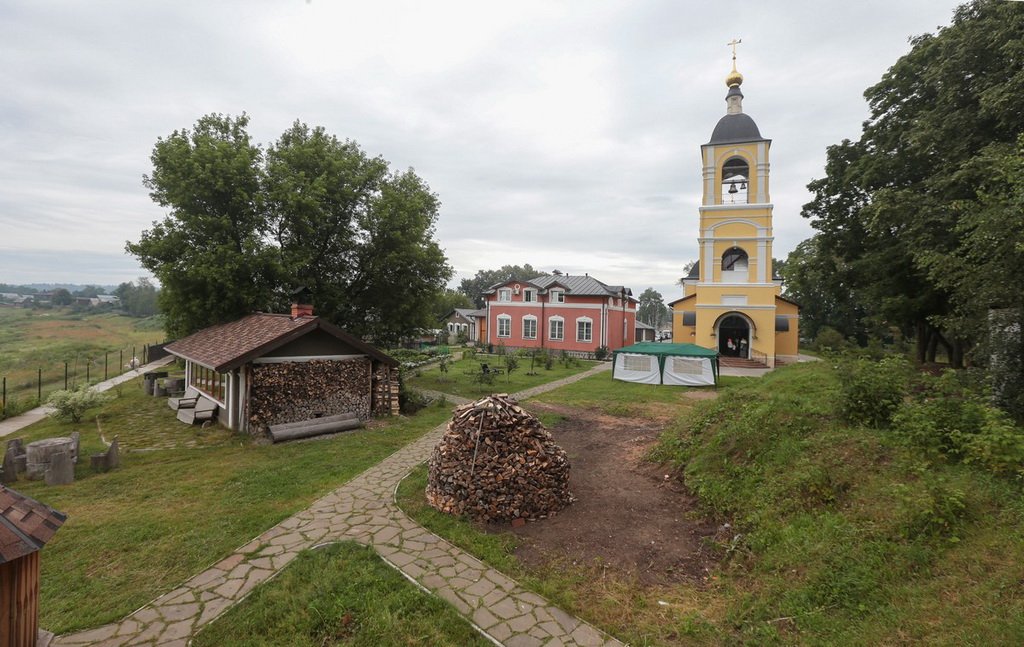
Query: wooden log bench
x=314 y=427
x=203 y=410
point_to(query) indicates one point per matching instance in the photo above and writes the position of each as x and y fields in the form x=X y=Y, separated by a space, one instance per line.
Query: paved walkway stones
x=363 y=510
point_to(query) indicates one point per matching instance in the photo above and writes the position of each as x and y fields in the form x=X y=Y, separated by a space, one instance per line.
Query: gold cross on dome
x=733 y=43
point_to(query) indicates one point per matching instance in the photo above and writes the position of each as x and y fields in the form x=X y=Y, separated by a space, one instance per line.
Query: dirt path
x=628 y=516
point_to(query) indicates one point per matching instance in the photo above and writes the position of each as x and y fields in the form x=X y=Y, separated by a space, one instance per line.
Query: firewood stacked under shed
x=496 y=462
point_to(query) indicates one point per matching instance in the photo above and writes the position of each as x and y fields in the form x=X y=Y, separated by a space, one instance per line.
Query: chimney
x=301 y=306
x=301 y=310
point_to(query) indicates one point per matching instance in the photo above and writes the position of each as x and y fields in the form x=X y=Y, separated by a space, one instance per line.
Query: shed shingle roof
x=228 y=346
x=25 y=524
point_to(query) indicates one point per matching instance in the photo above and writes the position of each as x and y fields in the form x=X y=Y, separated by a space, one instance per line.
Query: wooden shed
x=269 y=369
x=26 y=525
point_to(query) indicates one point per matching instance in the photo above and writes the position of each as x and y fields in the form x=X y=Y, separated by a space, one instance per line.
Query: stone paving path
x=363 y=510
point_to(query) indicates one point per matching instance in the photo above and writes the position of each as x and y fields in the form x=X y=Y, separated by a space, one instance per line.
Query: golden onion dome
x=734 y=78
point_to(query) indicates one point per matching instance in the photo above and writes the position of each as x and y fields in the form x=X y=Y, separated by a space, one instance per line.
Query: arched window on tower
x=735 y=174
x=734 y=266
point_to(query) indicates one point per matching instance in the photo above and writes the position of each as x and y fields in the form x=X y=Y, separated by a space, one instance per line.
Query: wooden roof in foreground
x=227 y=346
x=25 y=524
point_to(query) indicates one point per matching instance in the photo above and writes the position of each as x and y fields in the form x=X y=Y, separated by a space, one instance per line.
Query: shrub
x=72 y=405
x=409 y=400
x=941 y=416
x=931 y=508
x=17 y=406
x=998 y=446
x=601 y=353
x=511 y=364
x=870 y=391
x=829 y=339
x=949 y=417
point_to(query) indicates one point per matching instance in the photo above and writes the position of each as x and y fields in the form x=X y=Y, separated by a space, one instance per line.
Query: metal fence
x=29 y=387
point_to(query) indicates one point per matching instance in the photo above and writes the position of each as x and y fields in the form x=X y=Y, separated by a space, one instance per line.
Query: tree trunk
x=922 y=341
x=933 y=345
x=956 y=359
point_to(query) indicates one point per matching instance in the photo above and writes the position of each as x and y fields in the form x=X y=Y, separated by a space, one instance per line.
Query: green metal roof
x=658 y=348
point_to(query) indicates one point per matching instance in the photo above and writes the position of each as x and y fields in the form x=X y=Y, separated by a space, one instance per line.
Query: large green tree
x=475 y=287
x=246 y=228
x=886 y=212
x=210 y=253
x=652 y=309
x=138 y=300
x=448 y=300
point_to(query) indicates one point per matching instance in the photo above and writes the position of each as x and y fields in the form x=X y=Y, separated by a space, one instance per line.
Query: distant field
x=34 y=340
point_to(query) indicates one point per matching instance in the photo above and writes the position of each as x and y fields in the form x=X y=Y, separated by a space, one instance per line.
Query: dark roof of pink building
x=573 y=284
x=228 y=346
x=25 y=524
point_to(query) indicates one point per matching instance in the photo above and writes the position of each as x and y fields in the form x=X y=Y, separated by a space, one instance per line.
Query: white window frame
x=508 y=319
x=557 y=296
x=590 y=322
x=505 y=295
x=561 y=335
x=529 y=295
x=533 y=319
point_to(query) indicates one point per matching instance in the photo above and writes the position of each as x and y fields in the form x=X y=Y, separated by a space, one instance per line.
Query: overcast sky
x=562 y=134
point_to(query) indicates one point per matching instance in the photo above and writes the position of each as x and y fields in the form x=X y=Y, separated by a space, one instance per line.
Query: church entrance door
x=734 y=337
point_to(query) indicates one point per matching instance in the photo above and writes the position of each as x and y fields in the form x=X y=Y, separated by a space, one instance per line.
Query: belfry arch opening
x=734 y=336
x=735 y=263
x=735 y=181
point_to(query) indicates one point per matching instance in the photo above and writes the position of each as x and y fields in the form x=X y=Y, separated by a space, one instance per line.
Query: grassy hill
x=844 y=533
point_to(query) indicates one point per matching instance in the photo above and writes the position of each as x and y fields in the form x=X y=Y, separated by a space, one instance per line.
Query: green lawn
x=342 y=594
x=166 y=514
x=463 y=376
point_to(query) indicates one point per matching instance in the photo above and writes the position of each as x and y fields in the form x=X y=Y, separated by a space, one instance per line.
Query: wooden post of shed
x=25 y=527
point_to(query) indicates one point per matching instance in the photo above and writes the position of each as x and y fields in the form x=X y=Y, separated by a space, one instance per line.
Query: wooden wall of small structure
x=385 y=390
x=19 y=600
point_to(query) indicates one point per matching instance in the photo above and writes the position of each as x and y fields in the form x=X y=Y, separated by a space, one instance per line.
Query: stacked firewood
x=292 y=391
x=496 y=462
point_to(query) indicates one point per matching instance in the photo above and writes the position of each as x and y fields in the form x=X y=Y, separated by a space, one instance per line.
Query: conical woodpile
x=496 y=462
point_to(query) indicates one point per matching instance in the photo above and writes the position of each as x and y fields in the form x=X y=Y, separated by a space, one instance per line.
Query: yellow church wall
x=712 y=294
x=787 y=344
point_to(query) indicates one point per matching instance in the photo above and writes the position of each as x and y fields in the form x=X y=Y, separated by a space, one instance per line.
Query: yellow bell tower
x=731 y=298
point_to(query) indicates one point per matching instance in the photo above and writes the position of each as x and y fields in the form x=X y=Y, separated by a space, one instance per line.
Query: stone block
x=9 y=474
x=108 y=460
x=60 y=470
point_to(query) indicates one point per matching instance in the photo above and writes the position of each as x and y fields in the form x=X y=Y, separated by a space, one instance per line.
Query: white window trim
x=505 y=295
x=534 y=320
x=589 y=321
x=561 y=320
x=527 y=292
x=507 y=318
x=557 y=296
